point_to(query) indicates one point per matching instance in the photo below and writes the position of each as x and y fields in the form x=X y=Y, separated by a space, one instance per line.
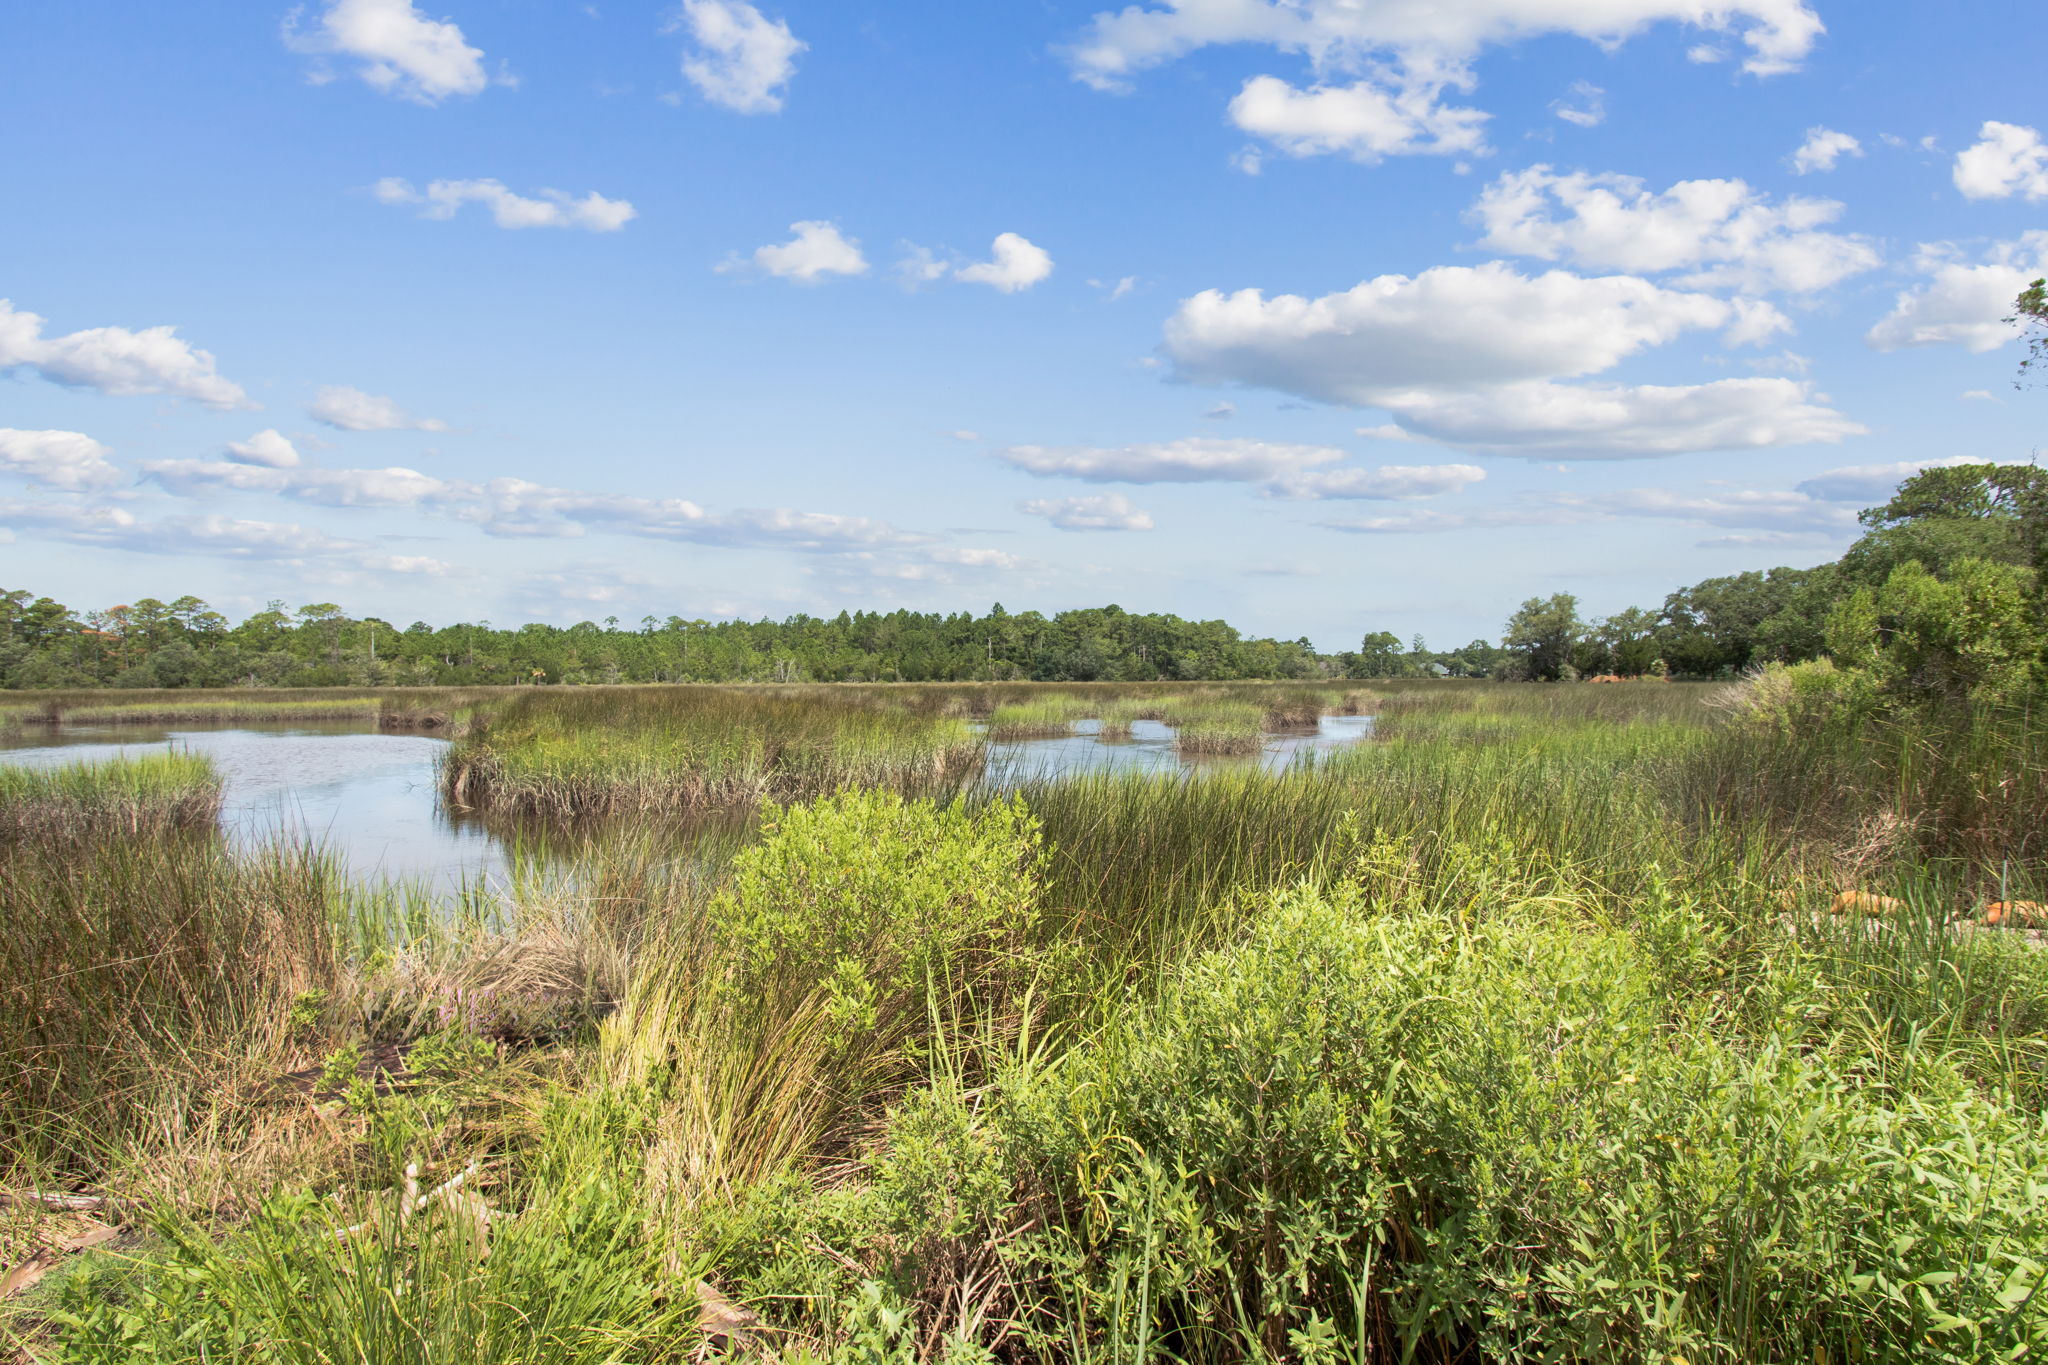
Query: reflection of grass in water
x=142 y=795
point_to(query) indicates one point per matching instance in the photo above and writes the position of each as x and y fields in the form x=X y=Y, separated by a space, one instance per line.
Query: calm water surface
x=372 y=800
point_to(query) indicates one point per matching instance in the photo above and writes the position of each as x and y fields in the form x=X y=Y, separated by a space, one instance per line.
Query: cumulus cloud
x=267 y=448
x=115 y=360
x=1347 y=33
x=1472 y=356
x=1869 y=484
x=442 y=198
x=1448 y=326
x=1016 y=264
x=1583 y=106
x=337 y=405
x=1726 y=233
x=1195 y=459
x=1963 y=303
x=399 y=50
x=743 y=60
x=1099 y=512
x=2007 y=159
x=394 y=487
x=1362 y=120
x=58 y=459
x=1381 y=67
x=1822 y=149
x=1621 y=421
x=818 y=249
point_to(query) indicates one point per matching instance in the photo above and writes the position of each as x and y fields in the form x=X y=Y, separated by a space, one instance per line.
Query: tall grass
x=1043 y=718
x=145 y=795
x=1217 y=727
x=655 y=752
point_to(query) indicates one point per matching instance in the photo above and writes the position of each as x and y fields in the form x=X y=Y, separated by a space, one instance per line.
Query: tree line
x=1984 y=526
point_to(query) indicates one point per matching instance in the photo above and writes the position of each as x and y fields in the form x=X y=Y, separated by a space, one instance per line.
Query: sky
x=1320 y=316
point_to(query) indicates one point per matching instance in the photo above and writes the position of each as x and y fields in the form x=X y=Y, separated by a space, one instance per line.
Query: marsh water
x=372 y=800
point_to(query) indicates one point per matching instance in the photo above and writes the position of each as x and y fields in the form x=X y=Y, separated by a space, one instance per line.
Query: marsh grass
x=1045 y=718
x=1114 y=717
x=1217 y=728
x=1520 y=1033
x=651 y=753
x=145 y=795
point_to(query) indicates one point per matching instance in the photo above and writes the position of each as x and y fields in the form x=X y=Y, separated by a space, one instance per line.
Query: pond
x=372 y=800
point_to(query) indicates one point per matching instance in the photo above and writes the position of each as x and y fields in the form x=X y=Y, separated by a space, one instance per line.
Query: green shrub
x=874 y=899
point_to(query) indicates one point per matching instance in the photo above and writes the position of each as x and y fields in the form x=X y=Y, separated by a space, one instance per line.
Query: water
x=373 y=802
x=370 y=799
x=1150 y=750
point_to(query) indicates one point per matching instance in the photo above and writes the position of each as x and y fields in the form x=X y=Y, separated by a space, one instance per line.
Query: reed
x=136 y=797
x=1114 y=717
x=1043 y=718
x=665 y=752
x=1217 y=728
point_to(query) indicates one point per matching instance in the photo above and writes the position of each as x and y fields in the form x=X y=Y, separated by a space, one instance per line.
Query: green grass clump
x=1218 y=727
x=653 y=752
x=1114 y=717
x=1043 y=718
x=145 y=795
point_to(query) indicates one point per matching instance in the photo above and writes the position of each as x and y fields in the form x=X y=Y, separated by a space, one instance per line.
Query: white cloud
x=394 y=487
x=60 y=459
x=1381 y=67
x=510 y=507
x=402 y=52
x=1963 y=304
x=115 y=360
x=1978 y=396
x=268 y=448
x=1584 y=105
x=213 y=535
x=1388 y=483
x=817 y=250
x=1361 y=120
x=1869 y=484
x=337 y=405
x=1471 y=356
x=442 y=198
x=1448 y=326
x=1822 y=149
x=2007 y=159
x=1727 y=233
x=1537 y=418
x=1768 y=515
x=743 y=59
x=1100 y=512
x=1016 y=264
x=1448 y=33
x=1195 y=459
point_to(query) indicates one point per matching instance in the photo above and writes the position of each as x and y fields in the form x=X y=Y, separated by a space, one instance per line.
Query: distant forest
x=1715 y=628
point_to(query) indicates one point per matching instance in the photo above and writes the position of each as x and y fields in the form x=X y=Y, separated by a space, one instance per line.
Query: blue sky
x=1322 y=316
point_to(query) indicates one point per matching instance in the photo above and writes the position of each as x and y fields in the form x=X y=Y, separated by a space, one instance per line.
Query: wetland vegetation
x=1555 y=1022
